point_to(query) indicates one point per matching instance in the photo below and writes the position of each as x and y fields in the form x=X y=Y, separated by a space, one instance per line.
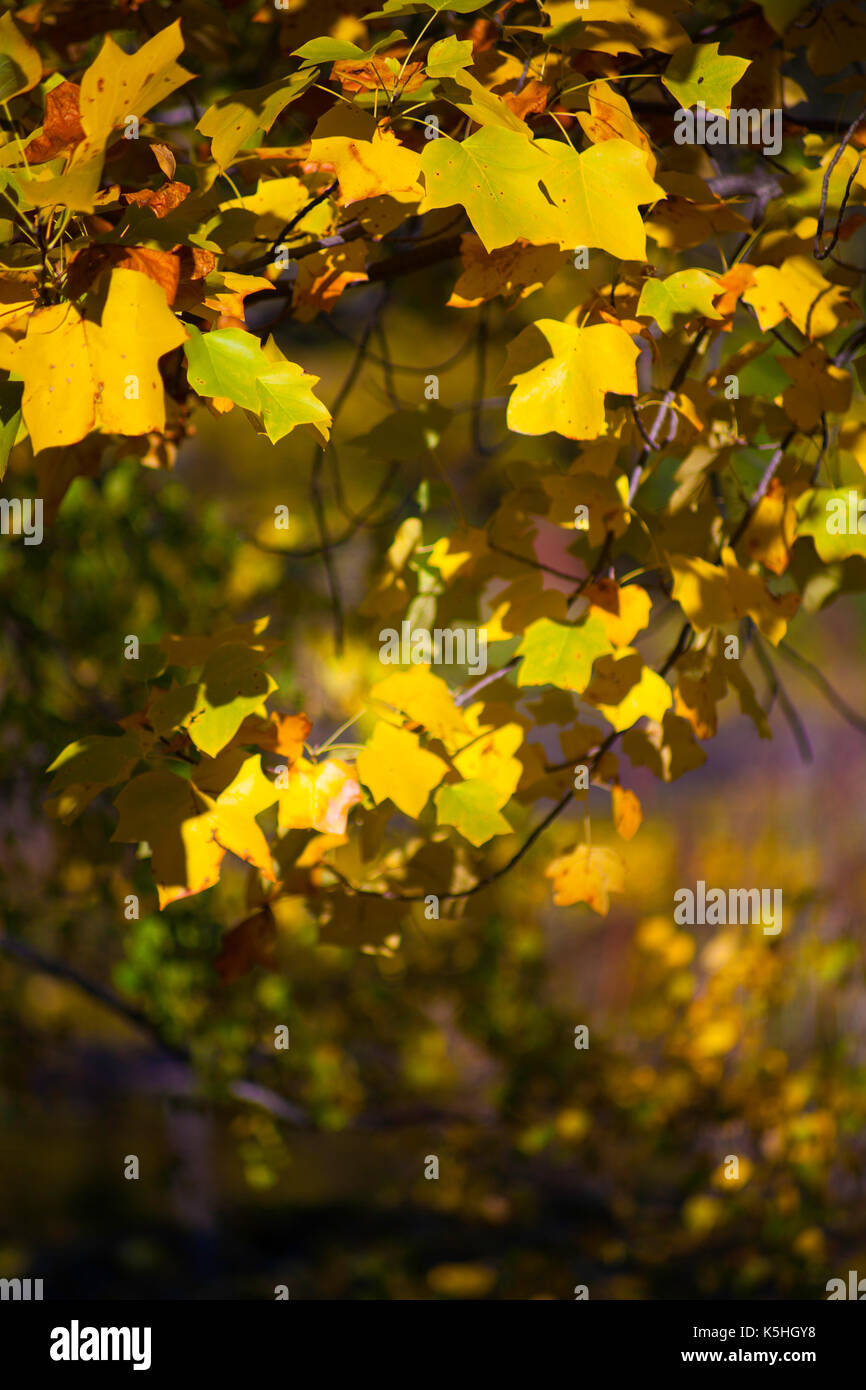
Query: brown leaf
x=162 y=200
x=279 y=733
x=87 y=264
x=251 y=943
x=531 y=101
x=374 y=73
x=195 y=264
x=62 y=129
x=165 y=159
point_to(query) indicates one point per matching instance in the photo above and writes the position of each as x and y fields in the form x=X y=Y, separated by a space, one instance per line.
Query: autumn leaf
x=394 y=765
x=685 y=293
x=699 y=73
x=117 y=84
x=561 y=655
x=318 y=796
x=495 y=175
x=20 y=63
x=81 y=373
x=588 y=876
x=515 y=270
x=366 y=156
x=627 y=813
x=426 y=700
x=472 y=808
x=230 y=123
x=566 y=390
x=230 y=363
x=597 y=195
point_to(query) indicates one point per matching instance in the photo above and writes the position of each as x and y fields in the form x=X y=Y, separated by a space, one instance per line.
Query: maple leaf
x=610 y=118
x=318 y=796
x=230 y=363
x=20 y=63
x=699 y=73
x=61 y=129
x=395 y=766
x=565 y=392
x=81 y=374
x=230 y=123
x=495 y=175
x=797 y=290
x=561 y=655
x=627 y=813
x=712 y=595
x=686 y=292
x=623 y=612
x=472 y=807
x=365 y=155
x=588 y=876
x=625 y=690
x=118 y=84
x=597 y=195
x=426 y=700
x=515 y=270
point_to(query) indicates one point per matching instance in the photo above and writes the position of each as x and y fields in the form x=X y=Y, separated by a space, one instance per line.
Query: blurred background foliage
x=558 y=1166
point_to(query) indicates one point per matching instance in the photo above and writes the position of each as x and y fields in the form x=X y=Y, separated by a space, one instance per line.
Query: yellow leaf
x=797 y=290
x=625 y=690
x=701 y=591
x=490 y=757
x=772 y=529
x=565 y=389
x=610 y=118
x=22 y=65
x=367 y=158
x=587 y=876
x=426 y=700
x=395 y=765
x=624 y=612
x=80 y=374
x=319 y=796
x=627 y=813
x=119 y=84
x=597 y=195
x=510 y=270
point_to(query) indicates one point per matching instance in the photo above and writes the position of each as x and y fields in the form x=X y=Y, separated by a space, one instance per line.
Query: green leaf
x=495 y=175
x=685 y=292
x=561 y=655
x=328 y=50
x=696 y=73
x=226 y=362
x=482 y=106
x=448 y=56
x=471 y=807
x=232 y=686
x=286 y=399
x=229 y=362
x=229 y=123
x=833 y=518
x=10 y=419
x=85 y=768
x=417 y=6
